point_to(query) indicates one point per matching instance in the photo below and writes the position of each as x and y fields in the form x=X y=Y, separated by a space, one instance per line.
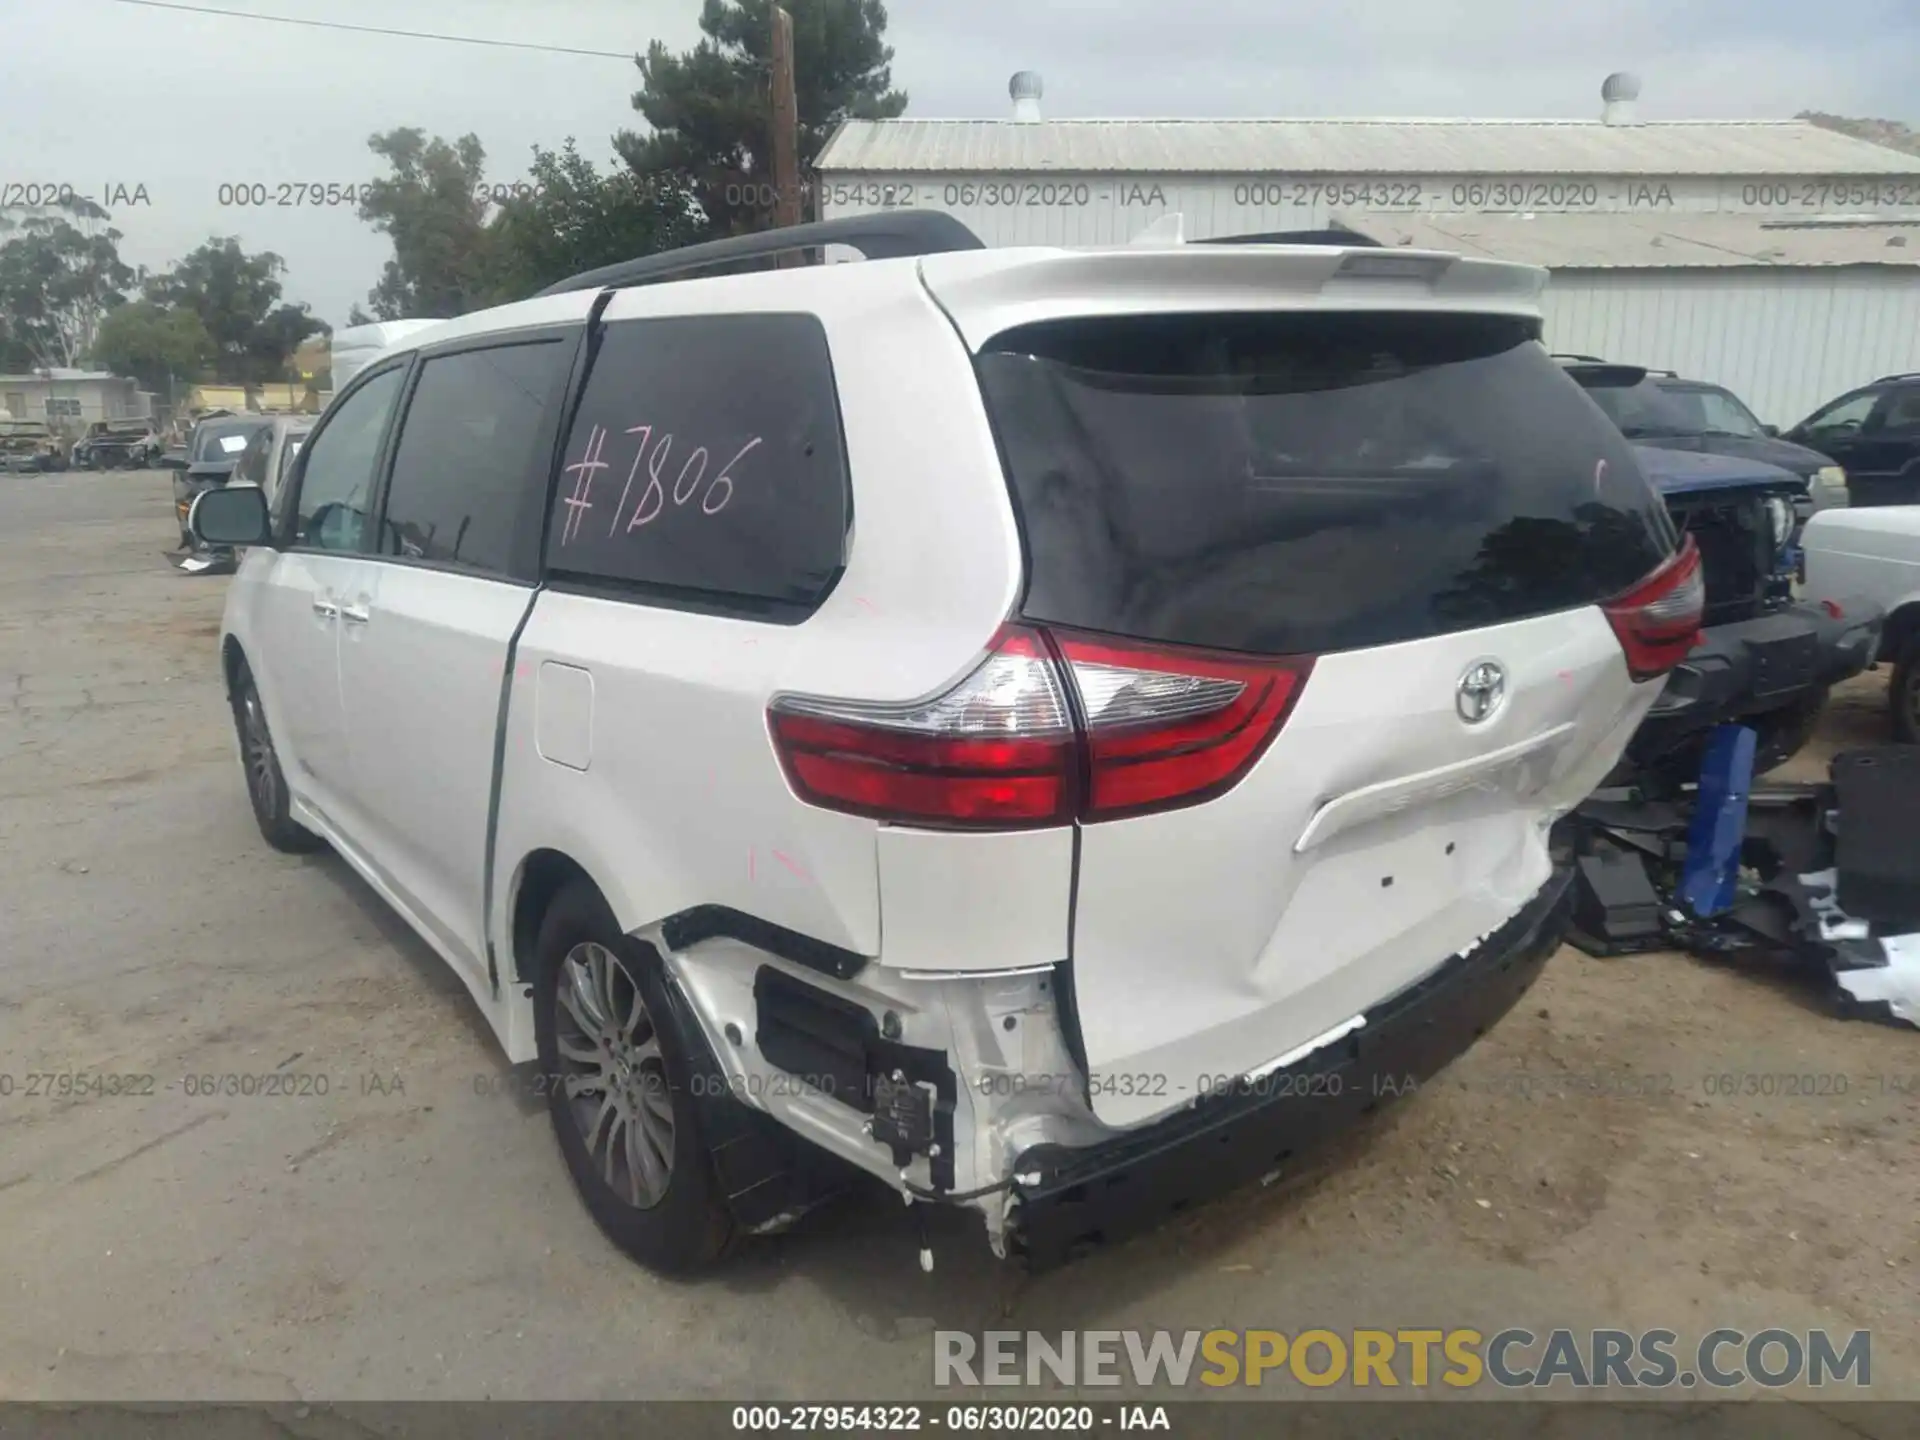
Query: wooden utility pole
x=786 y=125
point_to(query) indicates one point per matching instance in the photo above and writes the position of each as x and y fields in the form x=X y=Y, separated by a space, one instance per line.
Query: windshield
x=1643 y=411
x=224 y=440
x=1715 y=412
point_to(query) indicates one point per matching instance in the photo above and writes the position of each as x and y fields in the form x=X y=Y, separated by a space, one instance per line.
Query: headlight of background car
x=1830 y=485
x=1780 y=520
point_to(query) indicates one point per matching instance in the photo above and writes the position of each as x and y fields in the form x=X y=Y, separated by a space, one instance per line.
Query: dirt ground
x=411 y=1232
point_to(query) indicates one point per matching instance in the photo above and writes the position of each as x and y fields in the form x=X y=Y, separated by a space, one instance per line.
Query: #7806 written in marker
x=655 y=454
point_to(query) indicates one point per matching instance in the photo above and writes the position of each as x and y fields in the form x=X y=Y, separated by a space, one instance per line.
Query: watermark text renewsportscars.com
x=1406 y=1359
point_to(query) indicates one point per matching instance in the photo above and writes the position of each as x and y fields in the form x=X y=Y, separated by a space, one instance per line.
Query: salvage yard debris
x=1826 y=876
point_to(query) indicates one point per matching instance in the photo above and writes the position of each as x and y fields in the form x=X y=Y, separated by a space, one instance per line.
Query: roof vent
x=1617 y=94
x=1025 y=89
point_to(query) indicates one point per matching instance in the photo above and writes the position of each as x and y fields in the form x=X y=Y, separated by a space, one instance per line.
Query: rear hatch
x=1391 y=531
x=1337 y=593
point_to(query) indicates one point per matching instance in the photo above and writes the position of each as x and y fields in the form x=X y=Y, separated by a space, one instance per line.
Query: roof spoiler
x=1607 y=375
x=1171 y=229
x=1337 y=235
x=888 y=235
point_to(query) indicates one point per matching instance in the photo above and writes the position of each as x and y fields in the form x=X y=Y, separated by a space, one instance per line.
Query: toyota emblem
x=1480 y=691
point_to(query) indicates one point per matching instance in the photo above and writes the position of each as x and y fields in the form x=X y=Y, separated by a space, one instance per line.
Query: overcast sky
x=98 y=93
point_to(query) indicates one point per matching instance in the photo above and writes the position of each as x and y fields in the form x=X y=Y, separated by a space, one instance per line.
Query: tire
x=616 y=1095
x=266 y=782
x=1903 y=694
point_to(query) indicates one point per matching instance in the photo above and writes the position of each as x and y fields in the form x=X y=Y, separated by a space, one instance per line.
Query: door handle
x=356 y=614
x=325 y=607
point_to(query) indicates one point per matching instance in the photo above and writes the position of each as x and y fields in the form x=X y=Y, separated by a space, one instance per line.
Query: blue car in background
x=1767 y=657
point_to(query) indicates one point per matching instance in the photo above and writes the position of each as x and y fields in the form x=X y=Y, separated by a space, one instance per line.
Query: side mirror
x=230 y=515
x=1773 y=430
x=173 y=462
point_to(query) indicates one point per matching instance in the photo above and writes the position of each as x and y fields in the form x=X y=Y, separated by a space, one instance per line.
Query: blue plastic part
x=1710 y=878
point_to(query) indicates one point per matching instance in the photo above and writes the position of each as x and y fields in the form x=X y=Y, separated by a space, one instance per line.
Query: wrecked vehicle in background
x=1876 y=553
x=1660 y=408
x=30 y=447
x=1765 y=658
x=116 y=445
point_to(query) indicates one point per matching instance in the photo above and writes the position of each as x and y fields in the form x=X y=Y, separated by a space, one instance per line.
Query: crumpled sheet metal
x=1894 y=981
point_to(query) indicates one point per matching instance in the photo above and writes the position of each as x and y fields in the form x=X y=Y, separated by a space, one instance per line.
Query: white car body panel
x=1207 y=941
x=421 y=682
x=1872 y=552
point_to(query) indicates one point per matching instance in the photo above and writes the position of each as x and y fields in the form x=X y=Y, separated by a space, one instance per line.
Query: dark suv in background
x=1655 y=407
x=214 y=451
x=1874 y=432
x=1766 y=658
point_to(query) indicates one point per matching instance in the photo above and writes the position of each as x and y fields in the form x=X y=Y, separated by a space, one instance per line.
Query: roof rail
x=1338 y=235
x=1904 y=375
x=887 y=235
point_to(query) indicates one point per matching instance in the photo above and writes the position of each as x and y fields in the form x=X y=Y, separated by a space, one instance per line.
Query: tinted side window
x=1849 y=412
x=252 y=469
x=1903 y=411
x=1310 y=483
x=336 y=488
x=470 y=470
x=706 y=462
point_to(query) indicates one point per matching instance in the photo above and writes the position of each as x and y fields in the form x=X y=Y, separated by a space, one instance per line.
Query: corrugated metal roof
x=1357 y=147
x=1607 y=242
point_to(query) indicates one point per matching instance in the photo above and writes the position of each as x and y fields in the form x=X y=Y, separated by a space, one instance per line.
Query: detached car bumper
x=1753 y=667
x=1070 y=1201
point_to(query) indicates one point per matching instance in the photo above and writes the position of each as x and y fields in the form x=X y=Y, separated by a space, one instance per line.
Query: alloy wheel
x=614 y=1075
x=257 y=749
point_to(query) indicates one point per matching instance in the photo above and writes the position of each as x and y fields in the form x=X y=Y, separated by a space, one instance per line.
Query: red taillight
x=1156 y=728
x=1169 y=727
x=1658 y=621
x=997 y=751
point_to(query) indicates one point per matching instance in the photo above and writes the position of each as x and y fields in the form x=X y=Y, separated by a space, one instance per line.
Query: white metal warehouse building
x=1772 y=256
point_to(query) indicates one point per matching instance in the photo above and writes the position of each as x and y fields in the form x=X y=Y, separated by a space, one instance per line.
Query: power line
x=375 y=30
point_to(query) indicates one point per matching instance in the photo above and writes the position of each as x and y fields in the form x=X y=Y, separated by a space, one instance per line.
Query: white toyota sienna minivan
x=1055 y=730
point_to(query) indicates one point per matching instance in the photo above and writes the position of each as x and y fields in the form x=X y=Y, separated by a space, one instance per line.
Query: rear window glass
x=705 y=463
x=224 y=441
x=1293 y=484
x=1643 y=411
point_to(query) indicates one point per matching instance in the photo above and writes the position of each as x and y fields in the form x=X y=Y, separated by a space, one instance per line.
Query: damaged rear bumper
x=1752 y=667
x=1071 y=1200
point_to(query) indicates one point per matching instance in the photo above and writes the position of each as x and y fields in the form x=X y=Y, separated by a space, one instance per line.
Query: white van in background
x=354 y=347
